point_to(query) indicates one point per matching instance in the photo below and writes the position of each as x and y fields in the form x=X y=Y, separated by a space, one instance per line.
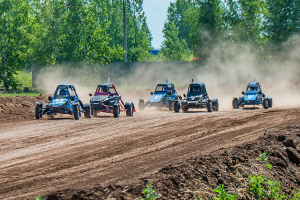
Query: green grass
x=24 y=78
x=31 y=94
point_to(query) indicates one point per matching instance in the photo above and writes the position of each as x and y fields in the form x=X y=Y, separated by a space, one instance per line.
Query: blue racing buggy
x=64 y=101
x=163 y=97
x=253 y=96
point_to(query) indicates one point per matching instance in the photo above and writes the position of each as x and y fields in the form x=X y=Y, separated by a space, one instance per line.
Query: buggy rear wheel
x=94 y=113
x=76 y=112
x=171 y=106
x=270 y=102
x=116 y=111
x=215 y=106
x=235 y=103
x=129 y=108
x=141 y=104
x=37 y=111
x=87 y=109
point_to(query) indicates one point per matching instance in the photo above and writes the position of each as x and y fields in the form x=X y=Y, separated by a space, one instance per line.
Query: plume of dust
x=278 y=77
x=50 y=77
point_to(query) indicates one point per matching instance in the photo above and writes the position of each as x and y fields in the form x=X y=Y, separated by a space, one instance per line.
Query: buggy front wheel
x=129 y=108
x=37 y=111
x=266 y=104
x=116 y=111
x=209 y=106
x=76 y=112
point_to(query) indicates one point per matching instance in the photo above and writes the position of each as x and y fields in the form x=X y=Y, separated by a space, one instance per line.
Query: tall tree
x=139 y=36
x=173 y=47
x=176 y=15
x=206 y=19
x=284 y=20
x=14 y=40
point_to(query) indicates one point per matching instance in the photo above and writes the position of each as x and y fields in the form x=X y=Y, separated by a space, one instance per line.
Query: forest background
x=88 y=34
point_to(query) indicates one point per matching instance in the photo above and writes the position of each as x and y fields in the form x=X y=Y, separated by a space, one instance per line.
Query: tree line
x=84 y=33
x=198 y=26
x=74 y=32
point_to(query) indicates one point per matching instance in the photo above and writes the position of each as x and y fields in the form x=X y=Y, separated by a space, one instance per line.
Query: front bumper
x=57 y=110
x=193 y=104
x=249 y=102
x=156 y=104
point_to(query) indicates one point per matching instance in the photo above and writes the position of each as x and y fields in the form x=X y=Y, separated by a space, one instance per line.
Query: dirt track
x=40 y=156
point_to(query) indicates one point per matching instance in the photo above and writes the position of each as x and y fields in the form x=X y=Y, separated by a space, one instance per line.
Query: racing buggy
x=253 y=96
x=107 y=99
x=163 y=97
x=197 y=97
x=64 y=101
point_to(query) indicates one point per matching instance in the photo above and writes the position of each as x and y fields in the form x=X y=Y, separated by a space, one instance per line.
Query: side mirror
x=243 y=93
x=263 y=95
x=151 y=93
x=72 y=98
x=180 y=97
x=90 y=95
x=169 y=93
x=259 y=92
x=50 y=98
x=184 y=95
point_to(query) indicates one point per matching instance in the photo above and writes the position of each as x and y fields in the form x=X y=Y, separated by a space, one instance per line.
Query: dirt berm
x=19 y=108
x=197 y=176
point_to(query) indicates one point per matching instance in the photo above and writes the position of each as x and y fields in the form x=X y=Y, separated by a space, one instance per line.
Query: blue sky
x=156 y=12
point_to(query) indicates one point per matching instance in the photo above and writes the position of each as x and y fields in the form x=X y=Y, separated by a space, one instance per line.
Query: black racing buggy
x=64 y=101
x=197 y=97
x=107 y=99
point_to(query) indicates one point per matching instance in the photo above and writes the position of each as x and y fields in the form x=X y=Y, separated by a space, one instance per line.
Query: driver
x=63 y=92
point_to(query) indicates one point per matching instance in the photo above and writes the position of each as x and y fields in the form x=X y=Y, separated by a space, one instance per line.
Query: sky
x=156 y=12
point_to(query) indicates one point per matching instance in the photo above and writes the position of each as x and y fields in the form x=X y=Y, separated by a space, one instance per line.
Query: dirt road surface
x=40 y=156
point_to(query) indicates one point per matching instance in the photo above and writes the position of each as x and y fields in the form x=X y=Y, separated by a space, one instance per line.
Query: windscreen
x=251 y=88
x=102 y=89
x=61 y=92
x=160 y=88
x=194 y=90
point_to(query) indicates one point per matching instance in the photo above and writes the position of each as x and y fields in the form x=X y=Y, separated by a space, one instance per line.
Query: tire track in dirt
x=40 y=156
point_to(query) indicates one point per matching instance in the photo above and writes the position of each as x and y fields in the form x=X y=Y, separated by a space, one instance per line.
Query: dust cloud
x=50 y=77
x=278 y=76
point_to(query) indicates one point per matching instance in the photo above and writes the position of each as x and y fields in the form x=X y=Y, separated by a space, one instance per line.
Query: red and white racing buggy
x=107 y=99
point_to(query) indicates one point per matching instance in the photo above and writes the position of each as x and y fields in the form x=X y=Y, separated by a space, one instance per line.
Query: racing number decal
x=157 y=96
